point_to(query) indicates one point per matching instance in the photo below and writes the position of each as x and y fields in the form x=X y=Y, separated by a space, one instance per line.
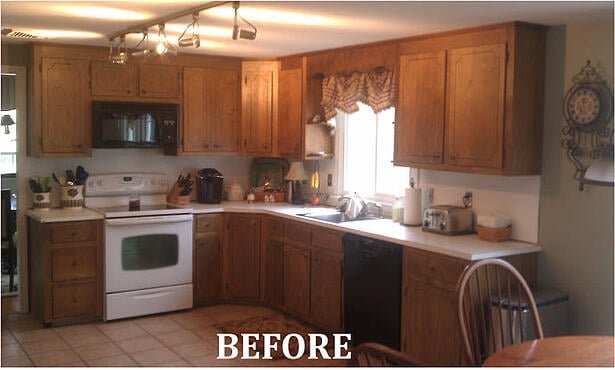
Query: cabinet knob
x=215 y=146
x=143 y=92
x=452 y=156
x=206 y=225
x=73 y=234
x=265 y=146
x=74 y=264
x=128 y=91
x=206 y=146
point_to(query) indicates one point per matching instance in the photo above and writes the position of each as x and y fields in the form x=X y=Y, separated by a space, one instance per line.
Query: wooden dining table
x=569 y=351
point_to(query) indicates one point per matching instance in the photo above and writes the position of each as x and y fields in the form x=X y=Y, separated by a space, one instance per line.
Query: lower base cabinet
x=241 y=256
x=297 y=281
x=326 y=289
x=207 y=259
x=272 y=264
x=67 y=283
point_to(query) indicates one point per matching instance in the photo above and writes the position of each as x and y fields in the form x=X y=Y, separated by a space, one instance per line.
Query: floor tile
x=121 y=331
x=51 y=345
x=16 y=361
x=7 y=337
x=81 y=340
x=155 y=356
x=178 y=337
x=208 y=361
x=158 y=325
x=115 y=361
x=56 y=358
x=192 y=351
x=76 y=330
x=208 y=333
x=12 y=350
x=98 y=350
x=137 y=344
x=36 y=335
x=178 y=363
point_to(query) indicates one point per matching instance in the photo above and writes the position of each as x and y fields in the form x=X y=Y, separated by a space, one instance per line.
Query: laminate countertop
x=467 y=247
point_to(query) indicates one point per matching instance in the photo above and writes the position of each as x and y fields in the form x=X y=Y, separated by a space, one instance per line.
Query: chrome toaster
x=448 y=220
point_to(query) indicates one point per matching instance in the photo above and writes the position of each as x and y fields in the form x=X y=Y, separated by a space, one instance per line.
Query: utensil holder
x=174 y=198
x=41 y=201
x=72 y=196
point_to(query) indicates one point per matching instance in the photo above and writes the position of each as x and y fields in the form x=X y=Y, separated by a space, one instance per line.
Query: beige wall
x=576 y=227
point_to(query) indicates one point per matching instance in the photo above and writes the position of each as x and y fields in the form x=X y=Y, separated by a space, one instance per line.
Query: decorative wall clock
x=588 y=110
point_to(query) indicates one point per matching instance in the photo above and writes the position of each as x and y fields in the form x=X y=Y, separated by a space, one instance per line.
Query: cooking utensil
x=34 y=185
x=70 y=177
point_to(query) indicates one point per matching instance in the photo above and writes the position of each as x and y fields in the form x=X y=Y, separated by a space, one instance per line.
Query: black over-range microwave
x=134 y=125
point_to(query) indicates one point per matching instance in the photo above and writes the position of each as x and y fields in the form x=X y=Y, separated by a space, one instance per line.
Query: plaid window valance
x=343 y=90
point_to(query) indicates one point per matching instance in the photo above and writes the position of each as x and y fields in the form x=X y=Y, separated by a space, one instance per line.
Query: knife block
x=174 y=198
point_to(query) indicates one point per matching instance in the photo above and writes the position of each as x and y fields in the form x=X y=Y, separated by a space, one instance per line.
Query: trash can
x=552 y=308
x=209 y=185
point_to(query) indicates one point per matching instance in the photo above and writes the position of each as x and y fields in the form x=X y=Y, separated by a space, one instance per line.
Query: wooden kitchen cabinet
x=297 y=281
x=66 y=275
x=60 y=111
x=259 y=90
x=290 y=114
x=207 y=259
x=326 y=289
x=272 y=264
x=242 y=256
x=210 y=110
x=108 y=79
x=160 y=81
x=472 y=101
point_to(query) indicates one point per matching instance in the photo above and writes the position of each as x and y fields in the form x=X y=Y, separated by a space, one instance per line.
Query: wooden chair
x=487 y=319
x=377 y=355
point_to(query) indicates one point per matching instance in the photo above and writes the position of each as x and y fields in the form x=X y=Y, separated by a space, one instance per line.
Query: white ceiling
x=281 y=30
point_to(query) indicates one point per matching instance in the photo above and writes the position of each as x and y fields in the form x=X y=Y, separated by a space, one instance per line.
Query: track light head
x=240 y=32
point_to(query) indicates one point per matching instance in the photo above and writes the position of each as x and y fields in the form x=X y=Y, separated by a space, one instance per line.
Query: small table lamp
x=295 y=175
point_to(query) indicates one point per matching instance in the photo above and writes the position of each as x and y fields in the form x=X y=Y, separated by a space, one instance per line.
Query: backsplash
x=234 y=169
x=516 y=197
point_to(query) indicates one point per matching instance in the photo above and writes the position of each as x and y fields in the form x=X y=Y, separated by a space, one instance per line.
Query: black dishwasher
x=372 y=290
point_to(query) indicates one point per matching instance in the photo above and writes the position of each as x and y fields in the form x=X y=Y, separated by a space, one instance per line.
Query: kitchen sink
x=337 y=217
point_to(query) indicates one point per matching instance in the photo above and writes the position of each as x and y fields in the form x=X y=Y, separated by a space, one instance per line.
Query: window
x=368 y=141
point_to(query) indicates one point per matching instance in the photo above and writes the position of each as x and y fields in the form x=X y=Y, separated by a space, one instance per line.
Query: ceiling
x=284 y=27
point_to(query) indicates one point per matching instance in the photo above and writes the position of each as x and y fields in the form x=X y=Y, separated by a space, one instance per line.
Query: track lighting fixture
x=122 y=55
x=163 y=46
x=145 y=52
x=195 y=39
x=242 y=33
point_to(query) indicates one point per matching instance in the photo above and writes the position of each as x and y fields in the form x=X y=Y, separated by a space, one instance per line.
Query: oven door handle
x=148 y=220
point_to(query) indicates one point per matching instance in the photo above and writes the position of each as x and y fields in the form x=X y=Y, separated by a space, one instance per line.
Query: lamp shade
x=296 y=172
x=600 y=170
x=6 y=121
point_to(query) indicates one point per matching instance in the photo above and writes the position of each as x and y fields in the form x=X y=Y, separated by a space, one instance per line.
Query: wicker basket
x=492 y=234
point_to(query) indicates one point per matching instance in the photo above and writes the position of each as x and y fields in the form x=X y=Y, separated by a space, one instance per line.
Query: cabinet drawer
x=274 y=227
x=75 y=300
x=327 y=239
x=73 y=232
x=440 y=271
x=207 y=223
x=298 y=232
x=73 y=263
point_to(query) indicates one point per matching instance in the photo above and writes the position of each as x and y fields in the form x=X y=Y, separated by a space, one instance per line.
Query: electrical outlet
x=430 y=195
x=329 y=179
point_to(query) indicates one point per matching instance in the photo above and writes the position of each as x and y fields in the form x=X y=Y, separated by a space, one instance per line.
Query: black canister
x=209 y=186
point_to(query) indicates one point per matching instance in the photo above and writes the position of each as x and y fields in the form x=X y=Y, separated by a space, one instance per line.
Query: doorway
x=14 y=185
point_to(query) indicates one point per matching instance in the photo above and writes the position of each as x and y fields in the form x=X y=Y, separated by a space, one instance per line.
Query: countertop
x=467 y=247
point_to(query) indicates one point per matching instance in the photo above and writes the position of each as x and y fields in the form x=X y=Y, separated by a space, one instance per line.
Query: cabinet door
x=290 y=121
x=66 y=125
x=196 y=130
x=257 y=97
x=242 y=256
x=207 y=268
x=419 y=123
x=297 y=281
x=223 y=97
x=326 y=289
x=158 y=81
x=72 y=301
x=274 y=272
x=113 y=79
x=475 y=100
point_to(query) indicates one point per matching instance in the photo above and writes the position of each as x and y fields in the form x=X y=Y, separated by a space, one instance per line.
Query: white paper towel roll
x=413 y=212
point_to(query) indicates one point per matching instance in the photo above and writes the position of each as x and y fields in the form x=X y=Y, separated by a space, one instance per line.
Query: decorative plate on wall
x=268 y=172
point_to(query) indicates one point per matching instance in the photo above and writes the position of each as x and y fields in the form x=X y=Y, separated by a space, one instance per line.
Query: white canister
x=41 y=201
x=72 y=196
x=235 y=192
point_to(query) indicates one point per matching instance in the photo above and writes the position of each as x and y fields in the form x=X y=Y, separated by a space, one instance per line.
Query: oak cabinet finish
x=242 y=256
x=259 y=107
x=160 y=81
x=66 y=283
x=297 y=281
x=207 y=259
x=61 y=122
x=109 y=79
x=210 y=110
x=272 y=265
x=290 y=115
x=472 y=101
x=326 y=289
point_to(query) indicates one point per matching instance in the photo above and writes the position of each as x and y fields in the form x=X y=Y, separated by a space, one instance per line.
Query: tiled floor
x=181 y=339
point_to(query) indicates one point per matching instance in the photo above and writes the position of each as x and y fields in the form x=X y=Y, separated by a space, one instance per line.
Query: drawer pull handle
x=73 y=234
x=74 y=264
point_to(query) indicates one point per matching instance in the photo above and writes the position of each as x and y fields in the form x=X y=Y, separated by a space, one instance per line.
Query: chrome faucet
x=350 y=205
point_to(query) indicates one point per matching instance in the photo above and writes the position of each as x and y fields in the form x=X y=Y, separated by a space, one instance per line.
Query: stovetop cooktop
x=144 y=210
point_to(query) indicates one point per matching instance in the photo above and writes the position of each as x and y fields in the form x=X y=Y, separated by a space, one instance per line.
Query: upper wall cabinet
x=259 y=107
x=290 y=115
x=210 y=110
x=59 y=115
x=472 y=101
x=152 y=81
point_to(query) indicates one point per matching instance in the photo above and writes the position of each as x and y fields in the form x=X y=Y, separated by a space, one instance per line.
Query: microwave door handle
x=147 y=220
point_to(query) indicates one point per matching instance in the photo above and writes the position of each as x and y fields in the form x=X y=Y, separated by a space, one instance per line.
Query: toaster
x=448 y=220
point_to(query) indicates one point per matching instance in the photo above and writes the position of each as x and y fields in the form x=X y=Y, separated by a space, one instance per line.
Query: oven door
x=148 y=252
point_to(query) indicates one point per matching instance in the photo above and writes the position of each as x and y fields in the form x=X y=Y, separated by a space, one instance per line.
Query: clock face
x=584 y=106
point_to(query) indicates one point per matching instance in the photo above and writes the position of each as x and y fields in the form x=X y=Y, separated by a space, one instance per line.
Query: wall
x=576 y=227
